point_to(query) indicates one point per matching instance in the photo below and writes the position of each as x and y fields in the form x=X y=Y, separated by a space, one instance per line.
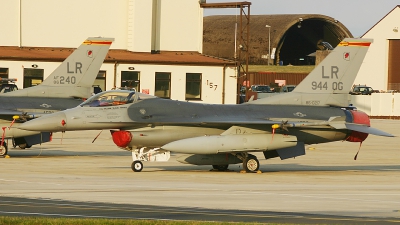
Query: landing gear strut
x=151 y=155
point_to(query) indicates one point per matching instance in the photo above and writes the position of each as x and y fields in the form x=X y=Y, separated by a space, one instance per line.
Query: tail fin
x=76 y=75
x=331 y=80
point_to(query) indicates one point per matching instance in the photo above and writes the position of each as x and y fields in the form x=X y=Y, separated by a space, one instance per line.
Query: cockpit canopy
x=114 y=98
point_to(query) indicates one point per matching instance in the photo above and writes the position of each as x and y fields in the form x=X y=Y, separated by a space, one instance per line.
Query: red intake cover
x=359 y=118
x=121 y=138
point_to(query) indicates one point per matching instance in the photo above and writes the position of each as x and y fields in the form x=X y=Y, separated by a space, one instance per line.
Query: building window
x=163 y=85
x=130 y=79
x=193 y=86
x=4 y=72
x=32 y=77
x=100 y=82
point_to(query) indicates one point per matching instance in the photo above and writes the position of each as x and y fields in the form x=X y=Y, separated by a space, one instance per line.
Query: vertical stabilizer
x=331 y=80
x=76 y=75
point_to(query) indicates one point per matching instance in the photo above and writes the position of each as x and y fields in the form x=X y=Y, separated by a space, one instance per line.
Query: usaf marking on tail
x=78 y=66
x=324 y=85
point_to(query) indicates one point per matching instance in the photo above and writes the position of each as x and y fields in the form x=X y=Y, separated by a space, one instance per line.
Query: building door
x=394 y=65
x=32 y=77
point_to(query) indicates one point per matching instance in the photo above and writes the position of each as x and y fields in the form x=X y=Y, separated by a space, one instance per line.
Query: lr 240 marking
x=324 y=85
x=64 y=79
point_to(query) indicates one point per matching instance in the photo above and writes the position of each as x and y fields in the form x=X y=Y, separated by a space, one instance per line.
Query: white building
x=157 y=47
x=381 y=67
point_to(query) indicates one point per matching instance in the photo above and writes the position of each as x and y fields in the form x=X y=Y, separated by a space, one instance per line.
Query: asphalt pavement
x=325 y=185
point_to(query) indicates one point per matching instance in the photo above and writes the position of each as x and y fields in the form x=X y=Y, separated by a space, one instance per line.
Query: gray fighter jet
x=64 y=88
x=314 y=112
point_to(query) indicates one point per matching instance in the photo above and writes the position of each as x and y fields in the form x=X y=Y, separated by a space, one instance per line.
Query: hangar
x=289 y=39
x=381 y=67
x=153 y=41
x=156 y=50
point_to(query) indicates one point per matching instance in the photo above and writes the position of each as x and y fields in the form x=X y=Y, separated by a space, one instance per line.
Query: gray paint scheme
x=64 y=88
x=181 y=126
x=278 y=126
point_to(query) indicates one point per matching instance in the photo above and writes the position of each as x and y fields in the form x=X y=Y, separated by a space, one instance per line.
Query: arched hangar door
x=302 y=39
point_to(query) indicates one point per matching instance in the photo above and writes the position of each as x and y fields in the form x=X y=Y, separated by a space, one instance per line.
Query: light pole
x=269 y=42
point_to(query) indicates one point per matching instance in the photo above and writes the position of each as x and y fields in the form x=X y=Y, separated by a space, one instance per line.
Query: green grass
x=282 y=69
x=6 y=220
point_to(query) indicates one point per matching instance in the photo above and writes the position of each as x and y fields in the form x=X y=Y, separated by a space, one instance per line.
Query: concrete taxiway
x=327 y=181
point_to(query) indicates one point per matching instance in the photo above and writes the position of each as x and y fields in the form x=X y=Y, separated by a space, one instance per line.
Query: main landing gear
x=3 y=149
x=250 y=162
x=219 y=162
x=137 y=166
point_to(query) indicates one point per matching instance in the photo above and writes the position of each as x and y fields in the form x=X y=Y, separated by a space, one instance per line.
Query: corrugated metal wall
x=269 y=78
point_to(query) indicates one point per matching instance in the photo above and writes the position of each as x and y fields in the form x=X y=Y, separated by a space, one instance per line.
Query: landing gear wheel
x=251 y=164
x=3 y=149
x=24 y=145
x=220 y=167
x=137 y=166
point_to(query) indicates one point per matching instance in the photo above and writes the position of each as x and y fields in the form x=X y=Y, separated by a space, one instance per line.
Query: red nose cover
x=121 y=138
x=359 y=118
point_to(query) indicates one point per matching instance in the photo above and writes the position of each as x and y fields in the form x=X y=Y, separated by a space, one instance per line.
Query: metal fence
x=270 y=78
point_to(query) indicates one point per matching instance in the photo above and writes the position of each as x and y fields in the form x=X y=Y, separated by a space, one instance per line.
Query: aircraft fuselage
x=154 y=122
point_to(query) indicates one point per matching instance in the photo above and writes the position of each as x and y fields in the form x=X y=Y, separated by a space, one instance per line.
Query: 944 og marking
x=326 y=85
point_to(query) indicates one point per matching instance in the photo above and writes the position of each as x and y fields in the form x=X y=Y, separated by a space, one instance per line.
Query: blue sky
x=357 y=15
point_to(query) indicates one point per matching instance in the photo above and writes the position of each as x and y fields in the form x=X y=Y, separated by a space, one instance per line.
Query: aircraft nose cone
x=51 y=123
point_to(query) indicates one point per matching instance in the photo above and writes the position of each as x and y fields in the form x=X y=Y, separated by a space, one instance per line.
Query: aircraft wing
x=286 y=123
x=7 y=114
x=274 y=123
x=10 y=112
x=227 y=121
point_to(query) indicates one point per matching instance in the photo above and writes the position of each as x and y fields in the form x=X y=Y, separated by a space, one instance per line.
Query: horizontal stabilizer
x=367 y=130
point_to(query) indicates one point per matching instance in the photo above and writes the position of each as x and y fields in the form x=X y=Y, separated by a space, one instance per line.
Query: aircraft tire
x=137 y=166
x=220 y=167
x=3 y=149
x=23 y=146
x=251 y=164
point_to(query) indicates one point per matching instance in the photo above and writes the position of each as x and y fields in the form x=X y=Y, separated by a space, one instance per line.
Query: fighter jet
x=219 y=135
x=66 y=87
